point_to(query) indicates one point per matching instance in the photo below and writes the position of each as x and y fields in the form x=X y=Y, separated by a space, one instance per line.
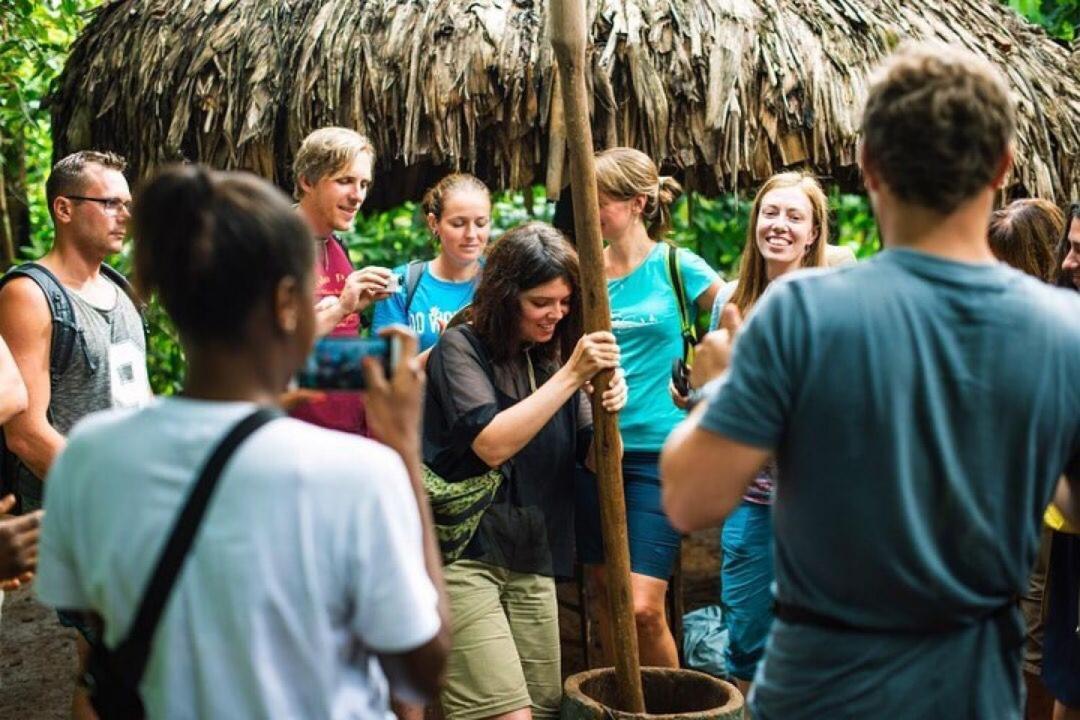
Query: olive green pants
x=505 y=643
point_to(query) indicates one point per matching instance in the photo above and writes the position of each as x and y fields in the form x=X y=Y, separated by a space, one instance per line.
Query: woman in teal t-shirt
x=635 y=214
x=458 y=212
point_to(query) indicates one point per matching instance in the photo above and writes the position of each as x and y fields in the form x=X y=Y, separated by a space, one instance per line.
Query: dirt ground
x=37 y=655
x=37 y=661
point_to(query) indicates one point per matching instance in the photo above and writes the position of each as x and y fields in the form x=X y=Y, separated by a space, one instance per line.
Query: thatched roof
x=725 y=91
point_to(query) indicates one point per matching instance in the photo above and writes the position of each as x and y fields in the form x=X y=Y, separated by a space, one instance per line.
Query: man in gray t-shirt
x=89 y=201
x=921 y=406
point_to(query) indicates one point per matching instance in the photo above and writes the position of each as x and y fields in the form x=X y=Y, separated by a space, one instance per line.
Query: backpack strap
x=121 y=282
x=687 y=328
x=65 y=335
x=413 y=272
x=65 y=329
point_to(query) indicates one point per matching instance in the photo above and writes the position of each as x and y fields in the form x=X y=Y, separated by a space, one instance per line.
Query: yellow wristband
x=1056 y=521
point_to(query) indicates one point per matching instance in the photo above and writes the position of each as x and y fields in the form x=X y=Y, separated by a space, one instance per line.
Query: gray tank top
x=107 y=370
x=108 y=366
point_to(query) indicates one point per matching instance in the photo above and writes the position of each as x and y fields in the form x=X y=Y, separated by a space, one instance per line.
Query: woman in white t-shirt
x=314 y=574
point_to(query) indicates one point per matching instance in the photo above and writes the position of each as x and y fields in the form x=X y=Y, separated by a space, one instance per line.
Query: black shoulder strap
x=65 y=329
x=133 y=652
x=122 y=282
x=413 y=272
x=118 y=279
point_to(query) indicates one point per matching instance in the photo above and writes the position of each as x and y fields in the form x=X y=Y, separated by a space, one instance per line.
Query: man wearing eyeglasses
x=90 y=204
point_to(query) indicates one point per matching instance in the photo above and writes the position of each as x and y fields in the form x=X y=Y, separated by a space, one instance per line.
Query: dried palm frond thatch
x=725 y=91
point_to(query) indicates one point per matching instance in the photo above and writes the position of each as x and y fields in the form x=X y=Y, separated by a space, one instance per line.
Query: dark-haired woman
x=1070 y=250
x=1022 y=234
x=457 y=210
x=314 y=556
x=504 y=391
x=1061 y=644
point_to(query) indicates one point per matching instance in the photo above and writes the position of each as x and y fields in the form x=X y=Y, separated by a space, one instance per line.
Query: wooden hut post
x=556 y=142
x=568 y=40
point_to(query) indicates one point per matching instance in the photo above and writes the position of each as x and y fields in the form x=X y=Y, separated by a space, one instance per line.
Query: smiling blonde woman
x=789 y=229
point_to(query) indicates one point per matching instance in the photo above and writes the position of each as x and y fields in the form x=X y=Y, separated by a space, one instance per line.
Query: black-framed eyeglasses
x=112 y=204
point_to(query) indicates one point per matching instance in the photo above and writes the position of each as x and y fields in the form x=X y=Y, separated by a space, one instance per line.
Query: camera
x=336 y=363
x=680 y=376
x=395 y=283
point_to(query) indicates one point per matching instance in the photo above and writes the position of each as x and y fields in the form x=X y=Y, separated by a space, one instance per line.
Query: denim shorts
x=746 y=576
x=654 y=543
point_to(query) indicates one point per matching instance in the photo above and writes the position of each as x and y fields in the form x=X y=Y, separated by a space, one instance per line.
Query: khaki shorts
x=1033 y=606
x=505 y=643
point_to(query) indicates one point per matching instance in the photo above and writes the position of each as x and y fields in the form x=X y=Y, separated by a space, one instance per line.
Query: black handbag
x=112 y=677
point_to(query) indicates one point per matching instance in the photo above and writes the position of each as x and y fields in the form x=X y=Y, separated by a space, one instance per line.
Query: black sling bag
x=112 y=676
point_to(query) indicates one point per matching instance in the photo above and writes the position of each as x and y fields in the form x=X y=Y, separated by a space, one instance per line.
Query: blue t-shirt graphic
x=645 y=322
x=921 y=411
x=435 y=302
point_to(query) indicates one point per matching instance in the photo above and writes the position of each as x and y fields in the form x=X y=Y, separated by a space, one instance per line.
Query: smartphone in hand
x=336 y=363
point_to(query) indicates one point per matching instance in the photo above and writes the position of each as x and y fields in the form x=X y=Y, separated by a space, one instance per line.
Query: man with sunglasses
x=90 y=204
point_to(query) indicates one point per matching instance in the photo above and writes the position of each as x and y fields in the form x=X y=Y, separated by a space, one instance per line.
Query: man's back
x=944 y=412
x=921 y=410
x=308 y=561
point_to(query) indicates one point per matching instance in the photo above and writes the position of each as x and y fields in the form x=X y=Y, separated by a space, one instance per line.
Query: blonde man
x=90 y=204
x=333 y=170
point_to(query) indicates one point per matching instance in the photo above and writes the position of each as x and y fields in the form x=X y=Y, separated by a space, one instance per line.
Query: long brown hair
x=752 y=273
x=623 y=173
x=1023 y=234
x=524 y=258
x=1064 y=279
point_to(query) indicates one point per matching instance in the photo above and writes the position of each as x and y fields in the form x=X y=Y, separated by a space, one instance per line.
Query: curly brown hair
x=937 y=125
x=524 y=258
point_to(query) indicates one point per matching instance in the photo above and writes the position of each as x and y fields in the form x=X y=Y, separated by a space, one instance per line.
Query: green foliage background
x=1061 y=18
x=34 y=39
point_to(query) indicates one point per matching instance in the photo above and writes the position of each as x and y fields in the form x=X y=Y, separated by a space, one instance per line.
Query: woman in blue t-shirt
x=635 y=215
x=458 y=213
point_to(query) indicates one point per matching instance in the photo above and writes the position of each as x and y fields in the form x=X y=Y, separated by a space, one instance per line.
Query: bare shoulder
x=23 y=304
